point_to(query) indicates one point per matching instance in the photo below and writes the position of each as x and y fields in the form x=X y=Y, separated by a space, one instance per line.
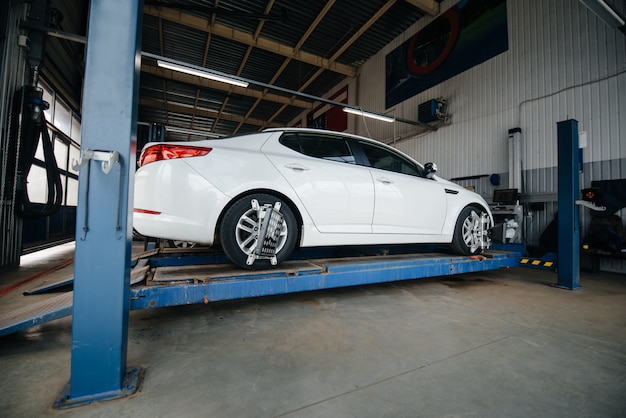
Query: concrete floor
x=494 y=344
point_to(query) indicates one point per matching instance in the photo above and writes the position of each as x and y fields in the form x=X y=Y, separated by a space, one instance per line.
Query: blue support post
x=104 y=223
x=568 y=221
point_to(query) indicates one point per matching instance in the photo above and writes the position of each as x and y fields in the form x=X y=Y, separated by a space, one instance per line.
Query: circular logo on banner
x=430 y=47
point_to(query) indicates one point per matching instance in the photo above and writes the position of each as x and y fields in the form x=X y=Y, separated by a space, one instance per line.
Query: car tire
x=237 y=229
x=466 y=232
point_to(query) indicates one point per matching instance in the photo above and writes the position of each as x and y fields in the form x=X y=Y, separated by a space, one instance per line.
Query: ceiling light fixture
x=203 y=74
x=369 y=114
x=206 y=73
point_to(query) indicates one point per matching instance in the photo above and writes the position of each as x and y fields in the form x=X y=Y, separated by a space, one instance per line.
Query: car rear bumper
x=173 y=201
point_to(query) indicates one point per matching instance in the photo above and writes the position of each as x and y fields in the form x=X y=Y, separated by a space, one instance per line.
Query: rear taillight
x=161 y=152
x=146 y=211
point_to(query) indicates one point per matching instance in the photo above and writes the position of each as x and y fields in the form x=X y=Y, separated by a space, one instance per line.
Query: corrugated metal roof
x=240 y=37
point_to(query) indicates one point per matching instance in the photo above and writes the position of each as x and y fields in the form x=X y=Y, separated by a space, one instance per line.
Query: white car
x=261 y=195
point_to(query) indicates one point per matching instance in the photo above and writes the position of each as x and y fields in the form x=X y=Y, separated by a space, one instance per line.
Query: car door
x=405 y=201
x=337 y=193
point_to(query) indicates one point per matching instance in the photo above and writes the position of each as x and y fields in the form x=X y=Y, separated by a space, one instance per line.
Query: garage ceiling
x=303 y=45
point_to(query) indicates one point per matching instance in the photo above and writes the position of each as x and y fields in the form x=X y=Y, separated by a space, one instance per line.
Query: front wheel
x=239 y=231
x=470 y=233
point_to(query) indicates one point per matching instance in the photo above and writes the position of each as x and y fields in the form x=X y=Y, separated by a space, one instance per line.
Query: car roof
x=318 y=131
x=344 y=134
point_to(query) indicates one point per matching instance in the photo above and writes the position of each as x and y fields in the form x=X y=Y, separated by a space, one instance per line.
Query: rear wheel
x=239 y=231
x=469 y=232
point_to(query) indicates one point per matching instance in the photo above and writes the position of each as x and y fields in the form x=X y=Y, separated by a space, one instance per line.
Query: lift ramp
x=36 y=314
x=55 y=307
x=171 y=281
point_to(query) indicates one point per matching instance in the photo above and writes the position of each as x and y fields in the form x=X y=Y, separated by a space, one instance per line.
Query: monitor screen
x=505 y=196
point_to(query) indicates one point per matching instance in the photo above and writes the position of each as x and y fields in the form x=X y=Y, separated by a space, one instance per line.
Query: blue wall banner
x=469 y=33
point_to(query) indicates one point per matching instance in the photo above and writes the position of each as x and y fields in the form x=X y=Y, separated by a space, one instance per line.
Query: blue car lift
x=180 y=281
x=159 y=279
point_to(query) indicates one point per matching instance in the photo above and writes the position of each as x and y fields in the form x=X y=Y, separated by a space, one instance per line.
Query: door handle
x=297 y=167
x=384 y=180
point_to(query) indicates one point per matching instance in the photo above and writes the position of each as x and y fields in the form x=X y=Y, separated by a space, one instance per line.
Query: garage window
x=65 y=134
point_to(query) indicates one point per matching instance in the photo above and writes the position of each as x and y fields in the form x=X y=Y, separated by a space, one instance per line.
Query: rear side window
x=291 y=141
x=332 y=148
x=385 y=159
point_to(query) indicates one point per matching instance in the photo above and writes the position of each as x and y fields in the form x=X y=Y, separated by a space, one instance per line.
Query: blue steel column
x=104 y=223
x=569 y=228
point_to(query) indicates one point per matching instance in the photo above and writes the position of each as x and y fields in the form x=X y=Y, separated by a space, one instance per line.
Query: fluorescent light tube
x=369 y=115
x=203 y=74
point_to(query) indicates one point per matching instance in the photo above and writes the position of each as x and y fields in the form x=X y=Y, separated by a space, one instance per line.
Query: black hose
x=33 y=126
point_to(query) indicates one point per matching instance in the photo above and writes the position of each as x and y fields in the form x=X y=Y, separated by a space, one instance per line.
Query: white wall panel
x=562 y=63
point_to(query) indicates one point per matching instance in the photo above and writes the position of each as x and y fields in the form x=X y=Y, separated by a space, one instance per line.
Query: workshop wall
x=562 y=63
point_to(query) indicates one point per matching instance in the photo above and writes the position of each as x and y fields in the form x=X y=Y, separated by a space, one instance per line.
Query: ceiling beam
x=257 y=33
x=205 y=56
x=314 y=24
x=163 y=81
x=341 y=50
x=362 y=29
x=207 y=43
x=282 y=68
x=246 y=38
x=429 y=6
x=199 y=111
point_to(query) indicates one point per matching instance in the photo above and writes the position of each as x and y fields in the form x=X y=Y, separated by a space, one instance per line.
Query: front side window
x=319 y=146
x=385 y=159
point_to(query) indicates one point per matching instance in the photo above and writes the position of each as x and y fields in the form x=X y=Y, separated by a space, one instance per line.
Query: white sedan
x=262 y=195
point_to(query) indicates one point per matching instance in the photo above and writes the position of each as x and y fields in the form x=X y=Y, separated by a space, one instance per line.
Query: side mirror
x=430 y=169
